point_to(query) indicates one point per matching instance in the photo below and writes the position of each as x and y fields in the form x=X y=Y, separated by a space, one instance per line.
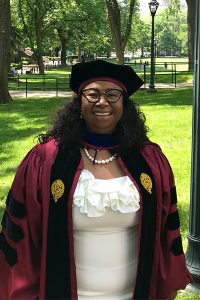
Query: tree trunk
x=79 y=52
x=57 y=49
x=115 y=26
x=5 y=22
x=63 y=52
x=191 y=31
x=63 y=42
x=40 y=64
x=129 y=24
x=39 y=42
x=37 y=53
x=114 y=19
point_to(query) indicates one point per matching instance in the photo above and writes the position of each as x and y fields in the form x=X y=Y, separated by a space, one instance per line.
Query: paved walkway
x=41 y=94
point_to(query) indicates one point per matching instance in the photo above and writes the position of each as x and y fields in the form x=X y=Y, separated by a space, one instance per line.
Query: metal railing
x=30 y=83
x=170 y=70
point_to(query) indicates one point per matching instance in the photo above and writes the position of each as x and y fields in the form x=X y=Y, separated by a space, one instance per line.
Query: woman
x=92 y=210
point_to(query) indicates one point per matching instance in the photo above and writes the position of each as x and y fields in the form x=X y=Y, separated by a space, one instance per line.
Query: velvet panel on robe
x=23 y=241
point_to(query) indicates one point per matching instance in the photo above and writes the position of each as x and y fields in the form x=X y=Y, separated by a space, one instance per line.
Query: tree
x=35 y=16
x=140 y=41
x=80 y=26
x=63 y=17
x=120 y=33
x=69 y=19
x=191 y=30
x=93 y=34
x=70 y=26
x=5 y=29
x=171 y=30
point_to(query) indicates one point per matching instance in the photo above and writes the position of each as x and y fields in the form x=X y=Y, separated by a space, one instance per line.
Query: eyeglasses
x=94 y=95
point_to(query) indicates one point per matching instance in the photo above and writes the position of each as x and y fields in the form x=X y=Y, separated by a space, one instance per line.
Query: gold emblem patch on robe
x=57 y=189
x=146 y=182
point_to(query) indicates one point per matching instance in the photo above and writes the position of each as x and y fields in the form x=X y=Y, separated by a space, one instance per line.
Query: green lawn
x=169 y=116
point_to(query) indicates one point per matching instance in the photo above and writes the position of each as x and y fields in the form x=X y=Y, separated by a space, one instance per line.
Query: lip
x=102 y=114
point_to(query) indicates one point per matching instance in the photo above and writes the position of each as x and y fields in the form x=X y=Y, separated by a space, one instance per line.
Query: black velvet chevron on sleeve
x=9 y=252
x=176 y=246
x=173 y=195
x=173 y=221
x=13 y=230
x=16 y=209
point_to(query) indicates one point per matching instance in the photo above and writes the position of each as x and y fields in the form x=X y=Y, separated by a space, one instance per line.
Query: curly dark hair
x=68 y=128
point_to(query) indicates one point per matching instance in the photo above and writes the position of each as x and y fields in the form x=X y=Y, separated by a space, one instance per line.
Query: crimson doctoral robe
x=36 y=242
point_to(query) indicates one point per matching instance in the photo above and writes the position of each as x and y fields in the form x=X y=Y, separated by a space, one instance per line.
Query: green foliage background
x=82 y=25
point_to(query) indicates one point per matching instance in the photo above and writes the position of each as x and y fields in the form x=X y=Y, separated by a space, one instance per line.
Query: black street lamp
x=153 y=6
x=155 y=49
x=193 y=250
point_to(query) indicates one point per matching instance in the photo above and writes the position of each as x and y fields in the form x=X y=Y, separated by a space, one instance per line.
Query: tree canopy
x=91 y=28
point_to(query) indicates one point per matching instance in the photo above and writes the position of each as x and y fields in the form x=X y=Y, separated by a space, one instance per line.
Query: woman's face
x=102 y=116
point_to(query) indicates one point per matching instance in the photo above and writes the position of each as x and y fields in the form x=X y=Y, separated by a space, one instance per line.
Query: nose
x=102 y=99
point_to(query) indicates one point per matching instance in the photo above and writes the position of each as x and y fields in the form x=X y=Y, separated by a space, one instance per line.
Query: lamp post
x=193 y=250
x=155 y=49
x=153 y=6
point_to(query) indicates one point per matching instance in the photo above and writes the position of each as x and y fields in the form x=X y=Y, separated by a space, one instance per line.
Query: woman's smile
x=102 y=114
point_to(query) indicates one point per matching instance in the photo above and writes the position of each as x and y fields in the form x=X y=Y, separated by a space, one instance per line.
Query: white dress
x=105 y=223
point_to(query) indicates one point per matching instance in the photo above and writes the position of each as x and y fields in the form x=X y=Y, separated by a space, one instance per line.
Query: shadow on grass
x=20 y=121
x=171 y=97
x=24 y=118
x=10 y=170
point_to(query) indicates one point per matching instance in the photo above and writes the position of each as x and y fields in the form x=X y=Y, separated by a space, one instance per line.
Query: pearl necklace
x=99 y=162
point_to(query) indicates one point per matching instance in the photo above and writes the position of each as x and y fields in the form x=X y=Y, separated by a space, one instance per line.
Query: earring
x=81 y=115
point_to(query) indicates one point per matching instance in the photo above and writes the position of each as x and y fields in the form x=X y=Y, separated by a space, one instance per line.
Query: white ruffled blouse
x=93 y=195
x=105 y=223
